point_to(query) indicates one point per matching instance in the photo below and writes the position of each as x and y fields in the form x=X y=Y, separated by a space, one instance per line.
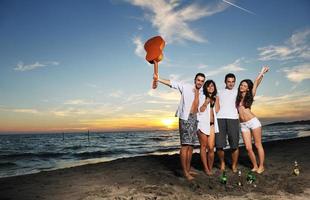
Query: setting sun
x=169 y=122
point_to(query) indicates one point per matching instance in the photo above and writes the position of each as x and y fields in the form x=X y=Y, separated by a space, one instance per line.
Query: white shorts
x=251 y=124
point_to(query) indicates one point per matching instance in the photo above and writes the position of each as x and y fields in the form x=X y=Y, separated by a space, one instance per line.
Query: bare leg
x=203 y=140
x=257 y=134
x=183 y=157
x=211 y=143
x=235 y=156
x=247 y=139
x=221 y=155
x=189 y=159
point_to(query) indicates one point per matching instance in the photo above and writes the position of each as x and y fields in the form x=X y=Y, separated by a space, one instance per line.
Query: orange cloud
x=291 y=106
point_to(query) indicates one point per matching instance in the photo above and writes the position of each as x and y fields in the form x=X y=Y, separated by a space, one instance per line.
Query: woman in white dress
x=207 y=125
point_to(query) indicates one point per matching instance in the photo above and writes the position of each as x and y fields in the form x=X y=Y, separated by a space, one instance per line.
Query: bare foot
x=193 y=173
x=222 y=166
x=254 y=169
x=260 y=170
x=208 y=172
x=188 y=177
x=234 y=168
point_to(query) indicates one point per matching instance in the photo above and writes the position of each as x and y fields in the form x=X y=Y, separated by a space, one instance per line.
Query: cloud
x=22 y=67
x=297 y=46
x=92 y=85
x=140 y=28
x=172 y=22
x=277 y=83
x=160 y=102
x=202 y=66
x=77 y=102
x=20 y=110
x=294 y=105
x=116 y=94
x=73 y=111
x=139 y=51
x=69 y=112
x=233 y=67
x=78 y=107
x=156 y=112
x=298 y=73
x=174 y=77
x=172 y=95
x=31 y=111
x=148 y=114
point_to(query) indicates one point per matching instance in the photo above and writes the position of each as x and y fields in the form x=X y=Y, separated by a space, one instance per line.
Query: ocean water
x=31 y=153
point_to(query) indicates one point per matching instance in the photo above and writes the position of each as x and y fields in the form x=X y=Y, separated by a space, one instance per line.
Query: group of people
x=215 y=115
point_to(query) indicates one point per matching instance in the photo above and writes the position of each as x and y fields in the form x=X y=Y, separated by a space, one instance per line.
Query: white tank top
x=228 y=108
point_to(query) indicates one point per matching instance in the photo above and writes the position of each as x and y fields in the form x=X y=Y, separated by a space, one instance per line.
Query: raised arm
x=259 y=79
x=164 y=81
x=156 y=77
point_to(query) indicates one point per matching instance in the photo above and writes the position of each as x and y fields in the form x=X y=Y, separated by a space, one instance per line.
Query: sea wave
x=32 y=155
x=98 y=154
x=7 y=164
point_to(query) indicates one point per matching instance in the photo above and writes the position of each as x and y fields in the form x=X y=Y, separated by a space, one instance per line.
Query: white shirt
x=187 y=98
x=228 y=108
x=204 y=118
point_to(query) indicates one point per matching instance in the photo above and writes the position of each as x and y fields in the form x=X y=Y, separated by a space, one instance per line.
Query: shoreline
x=160 y=177
x=79 y=163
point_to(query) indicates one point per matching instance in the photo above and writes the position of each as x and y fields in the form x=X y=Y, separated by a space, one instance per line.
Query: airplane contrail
x=248 y=11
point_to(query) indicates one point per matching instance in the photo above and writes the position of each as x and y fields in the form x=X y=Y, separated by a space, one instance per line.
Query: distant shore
x=159 y=177
x=300 y=122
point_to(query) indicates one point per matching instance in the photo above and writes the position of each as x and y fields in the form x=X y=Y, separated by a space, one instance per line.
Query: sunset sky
x=74 y=65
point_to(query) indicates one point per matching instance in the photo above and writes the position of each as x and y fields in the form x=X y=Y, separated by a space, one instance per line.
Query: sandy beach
x=159 y=177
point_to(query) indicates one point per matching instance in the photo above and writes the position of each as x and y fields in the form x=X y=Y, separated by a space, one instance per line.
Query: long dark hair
x=248 y=98
x=205 y=90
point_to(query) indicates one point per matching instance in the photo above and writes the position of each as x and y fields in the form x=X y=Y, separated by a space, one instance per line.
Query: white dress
x=204 y=119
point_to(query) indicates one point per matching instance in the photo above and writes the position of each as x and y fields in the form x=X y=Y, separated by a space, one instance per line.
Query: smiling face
x=210 y=88
x=244 y=87
x=199 y=82
x=230 y=83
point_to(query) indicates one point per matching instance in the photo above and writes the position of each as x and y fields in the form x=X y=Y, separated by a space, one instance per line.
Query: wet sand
x=159 y=177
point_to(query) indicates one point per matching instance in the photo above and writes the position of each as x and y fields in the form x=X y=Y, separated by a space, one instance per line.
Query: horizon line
x=122 y=130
